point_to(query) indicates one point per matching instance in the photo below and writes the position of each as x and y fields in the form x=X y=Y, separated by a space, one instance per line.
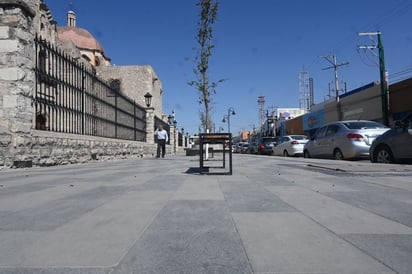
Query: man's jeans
x=161 y=146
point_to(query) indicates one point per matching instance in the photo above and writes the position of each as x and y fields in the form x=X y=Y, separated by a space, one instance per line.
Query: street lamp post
x=230 y=111
x=148 y=99
x=150 y=120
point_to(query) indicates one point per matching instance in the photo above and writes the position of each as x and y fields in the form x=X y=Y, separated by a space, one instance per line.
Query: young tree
x=203 y=84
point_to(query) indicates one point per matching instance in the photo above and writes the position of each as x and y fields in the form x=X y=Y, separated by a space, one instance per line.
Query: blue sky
x=260 y=48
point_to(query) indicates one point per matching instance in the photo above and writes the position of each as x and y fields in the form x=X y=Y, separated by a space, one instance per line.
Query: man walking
x=162 y=139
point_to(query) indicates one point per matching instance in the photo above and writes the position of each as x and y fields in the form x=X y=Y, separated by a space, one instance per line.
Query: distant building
x=290 y=113
x=245 y=136
x=131 y=81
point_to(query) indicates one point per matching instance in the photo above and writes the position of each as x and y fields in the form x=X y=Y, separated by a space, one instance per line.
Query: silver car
x=395 y=144
x=344 y=140
x=290 y=145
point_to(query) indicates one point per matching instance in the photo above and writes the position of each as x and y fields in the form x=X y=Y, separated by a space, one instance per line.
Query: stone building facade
x=134 y=82
x=21 y=145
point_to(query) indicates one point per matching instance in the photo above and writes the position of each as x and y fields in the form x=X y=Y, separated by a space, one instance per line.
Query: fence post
x=83 y=94
x=115 y=115
x=17 y=82
x=134 y=120
x=173 y=138
x=150 y=123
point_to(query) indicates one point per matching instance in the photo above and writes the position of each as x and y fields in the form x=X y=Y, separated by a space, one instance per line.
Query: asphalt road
x=273 y=215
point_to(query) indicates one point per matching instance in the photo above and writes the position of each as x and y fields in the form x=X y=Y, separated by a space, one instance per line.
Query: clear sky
x=260 y=48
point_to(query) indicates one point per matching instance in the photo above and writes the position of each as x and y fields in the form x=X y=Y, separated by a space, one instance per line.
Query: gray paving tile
x=58 y=212
x=252 y=198
x=379 y=203
x=188 y=237
x=22 y=270
x=394 y=251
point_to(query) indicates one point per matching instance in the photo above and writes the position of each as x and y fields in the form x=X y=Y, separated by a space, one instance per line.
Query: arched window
x=86 y=58
x=97 y=61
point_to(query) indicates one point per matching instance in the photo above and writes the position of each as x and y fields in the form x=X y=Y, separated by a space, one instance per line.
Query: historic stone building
x=48 y=116
x=131 y=81
x=90 y=49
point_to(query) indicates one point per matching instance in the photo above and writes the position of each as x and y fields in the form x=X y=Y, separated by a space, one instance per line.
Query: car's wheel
x=285 y=153
x=306 y=154
x=337 y=154
x=383 y=154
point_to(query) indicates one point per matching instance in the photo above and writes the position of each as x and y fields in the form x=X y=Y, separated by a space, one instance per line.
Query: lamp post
x=230 y=111
x=148 y=99
x=150 y=119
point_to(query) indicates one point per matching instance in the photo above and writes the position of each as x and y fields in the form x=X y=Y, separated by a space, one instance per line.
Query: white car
x=290 y=145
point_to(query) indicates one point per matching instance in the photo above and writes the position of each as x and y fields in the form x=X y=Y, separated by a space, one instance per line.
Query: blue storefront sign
x=313 y=120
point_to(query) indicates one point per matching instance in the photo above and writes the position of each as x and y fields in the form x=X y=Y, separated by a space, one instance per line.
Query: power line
x=400 y=75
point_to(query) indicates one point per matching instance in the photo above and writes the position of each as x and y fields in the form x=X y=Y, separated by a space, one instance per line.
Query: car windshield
x=363 y=125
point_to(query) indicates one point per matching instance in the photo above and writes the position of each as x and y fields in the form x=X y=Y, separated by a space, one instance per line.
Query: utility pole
x=335 y=66
x=383 y=73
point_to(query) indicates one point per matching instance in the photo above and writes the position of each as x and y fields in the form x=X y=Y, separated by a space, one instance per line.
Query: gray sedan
x=395 y=144
x=344 y=140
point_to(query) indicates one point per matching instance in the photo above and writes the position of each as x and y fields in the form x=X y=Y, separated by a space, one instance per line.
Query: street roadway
x=273 y=215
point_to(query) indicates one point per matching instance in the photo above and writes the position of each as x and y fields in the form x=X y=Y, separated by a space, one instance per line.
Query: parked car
x=238 y=147
x=253 y=148
x=290 y=145
x=343 y=140
x=244 y=148
x=394 y=145
x=266 y=144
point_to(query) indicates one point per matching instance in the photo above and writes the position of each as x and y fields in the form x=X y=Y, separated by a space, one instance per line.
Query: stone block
x=9 y=46
x=9 y=101
x=23 y=35
x=12 y=74
x=19 y=126
x=22 y=141
x=5 y=139
x=4 y=32
x=10 y=17
x=44 y=152
x=58 y=153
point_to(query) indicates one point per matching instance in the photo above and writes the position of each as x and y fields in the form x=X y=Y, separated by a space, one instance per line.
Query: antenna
x=261 y=102
x=305 y=91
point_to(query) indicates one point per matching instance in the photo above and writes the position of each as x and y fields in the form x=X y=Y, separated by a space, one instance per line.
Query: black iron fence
x=70 y=98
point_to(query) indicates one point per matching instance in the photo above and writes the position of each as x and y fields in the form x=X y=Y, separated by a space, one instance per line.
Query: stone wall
x=45 y=148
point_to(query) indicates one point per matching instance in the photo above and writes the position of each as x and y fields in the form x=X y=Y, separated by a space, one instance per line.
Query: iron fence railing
x=70 y=98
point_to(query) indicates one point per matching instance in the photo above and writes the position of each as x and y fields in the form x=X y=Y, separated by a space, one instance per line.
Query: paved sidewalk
x=273 y=215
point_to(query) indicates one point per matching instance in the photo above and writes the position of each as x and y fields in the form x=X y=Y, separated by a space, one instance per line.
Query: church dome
x=90 y=48
x=81 y=38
